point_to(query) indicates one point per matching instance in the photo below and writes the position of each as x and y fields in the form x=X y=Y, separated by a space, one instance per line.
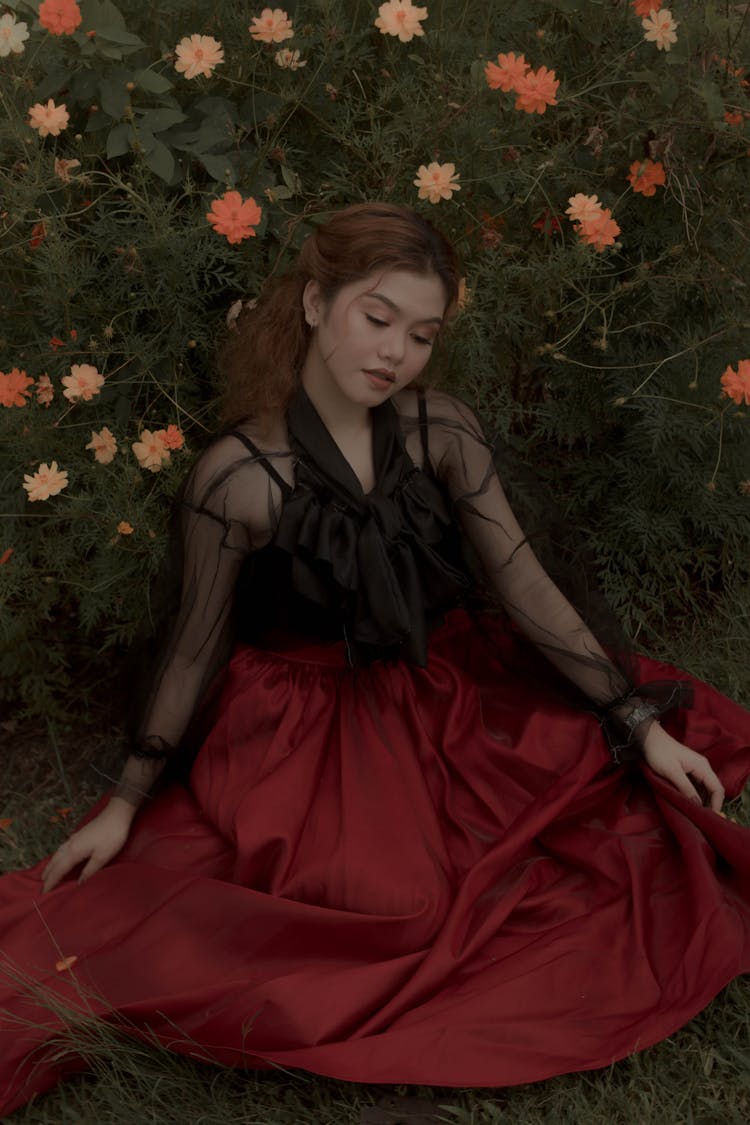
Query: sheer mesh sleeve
x=464 y=462
x=226 y=509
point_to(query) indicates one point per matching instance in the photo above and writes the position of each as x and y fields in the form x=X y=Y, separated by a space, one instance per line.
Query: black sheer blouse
x=284 y=537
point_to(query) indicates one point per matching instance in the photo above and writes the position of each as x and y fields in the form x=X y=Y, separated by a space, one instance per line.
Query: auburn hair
x=261 y=360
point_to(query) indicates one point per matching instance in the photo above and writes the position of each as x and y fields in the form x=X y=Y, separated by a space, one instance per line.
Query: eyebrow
x=395 y=307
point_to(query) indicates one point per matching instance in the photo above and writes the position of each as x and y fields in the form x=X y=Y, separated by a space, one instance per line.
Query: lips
x=381 y=373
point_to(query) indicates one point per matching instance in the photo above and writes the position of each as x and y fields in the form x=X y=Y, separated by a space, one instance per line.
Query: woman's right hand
x=97 y=842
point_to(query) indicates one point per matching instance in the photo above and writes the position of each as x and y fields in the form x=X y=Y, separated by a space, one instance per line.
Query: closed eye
x=374 y=320
x=423 y=340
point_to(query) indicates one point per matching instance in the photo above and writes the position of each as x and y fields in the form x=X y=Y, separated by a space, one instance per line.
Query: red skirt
x=399 y=875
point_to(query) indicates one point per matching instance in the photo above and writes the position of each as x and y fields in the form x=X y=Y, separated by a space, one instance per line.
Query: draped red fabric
x=397 y=874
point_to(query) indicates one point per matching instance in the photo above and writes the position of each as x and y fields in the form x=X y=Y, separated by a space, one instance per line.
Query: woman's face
x=374 y=336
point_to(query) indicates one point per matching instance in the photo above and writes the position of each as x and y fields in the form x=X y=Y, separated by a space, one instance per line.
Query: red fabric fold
x=398 y=874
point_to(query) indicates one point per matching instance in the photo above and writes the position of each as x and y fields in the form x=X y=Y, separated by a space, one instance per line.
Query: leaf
x=152 y=81
x=119 y=140
x=54 y=79
x=114 y=97
x=160 y=160
x=219 y=167
x=291 y=179
x=157 y=120
x=101 y=13
x=711 y=95
x=120 y=37
x=84 y=86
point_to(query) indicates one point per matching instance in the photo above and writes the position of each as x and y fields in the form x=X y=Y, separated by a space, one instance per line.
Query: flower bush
x=159 y=163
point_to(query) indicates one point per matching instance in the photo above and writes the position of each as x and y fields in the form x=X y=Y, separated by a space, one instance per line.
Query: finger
x=58 y=867
x=93 y=865
x=703 y=772
x=682 y=782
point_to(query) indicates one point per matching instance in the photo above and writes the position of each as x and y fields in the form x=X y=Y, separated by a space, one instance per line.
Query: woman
x=401 y=855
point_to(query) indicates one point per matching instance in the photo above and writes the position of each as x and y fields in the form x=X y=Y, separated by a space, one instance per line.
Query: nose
x=392 y=346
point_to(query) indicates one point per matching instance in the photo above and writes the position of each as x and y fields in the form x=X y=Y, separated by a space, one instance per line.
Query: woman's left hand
x=678 y=764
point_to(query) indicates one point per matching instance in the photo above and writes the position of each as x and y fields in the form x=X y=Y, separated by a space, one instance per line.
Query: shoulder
x=229 y=479
x=447 y=416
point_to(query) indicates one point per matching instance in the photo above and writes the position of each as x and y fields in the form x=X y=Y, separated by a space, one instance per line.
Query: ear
x=312 y=303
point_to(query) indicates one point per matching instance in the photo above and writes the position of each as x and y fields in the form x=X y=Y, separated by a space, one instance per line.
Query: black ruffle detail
x=386 y=563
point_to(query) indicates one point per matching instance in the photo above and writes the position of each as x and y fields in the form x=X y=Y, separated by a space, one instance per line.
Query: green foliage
x=602 y=366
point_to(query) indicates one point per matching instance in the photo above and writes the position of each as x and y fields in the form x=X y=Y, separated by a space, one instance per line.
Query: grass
x=699 y=1076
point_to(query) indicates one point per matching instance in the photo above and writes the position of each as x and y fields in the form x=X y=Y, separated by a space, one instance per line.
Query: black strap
x=286 y=489
x=423 y=424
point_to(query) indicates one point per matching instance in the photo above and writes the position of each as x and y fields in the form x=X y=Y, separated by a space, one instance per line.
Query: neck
x=338 y=412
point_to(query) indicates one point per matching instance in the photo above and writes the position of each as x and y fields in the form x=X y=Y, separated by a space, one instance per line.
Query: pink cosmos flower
x=289 y=60
x=234 y=217
x=400 y=18
x=536 y=90
x=47 y=481
x=198 y=54
x=84 y=382
x=150 y=451
x=660 y=29
x=583 y=208
x=63 y=168
x=506 y=74
x=271 y=26
x=13 y=35
x=59 y=17
x=437 y=181
x=103 y=445
x=45 y=392
x=49 y=119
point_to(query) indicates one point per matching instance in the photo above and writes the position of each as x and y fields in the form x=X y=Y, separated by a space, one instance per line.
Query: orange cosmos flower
x=583 y=208
x=49 y=119
x=401 y=18
x=5 y=557
x=14 y=387
x=644 y=7
x=645 y=175
x=599 y=232
x=198 y=54
x=234 y=216
x=437 y=181
x=733 y=118
x=507 y=73
x=83 y=382
x=736 y=384
x=271 y=26
x=150 y=451
x=660 y=29
x=171 y=438
x=536 y=90
x=125 y=528
x=65 y=963
x=59 y=17
x=45 y=392
x=103 y=445
x=47 y=481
